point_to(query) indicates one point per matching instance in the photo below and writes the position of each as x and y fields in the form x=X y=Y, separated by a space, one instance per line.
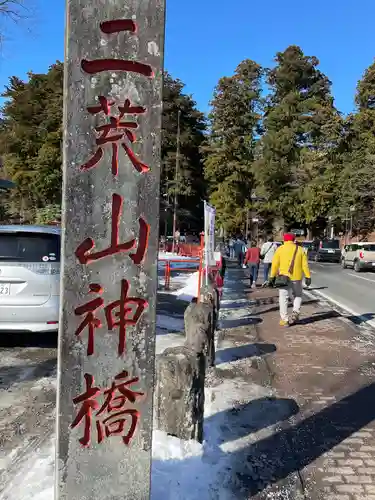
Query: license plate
x=4 y=289
x=373 y=263
x=331 y=251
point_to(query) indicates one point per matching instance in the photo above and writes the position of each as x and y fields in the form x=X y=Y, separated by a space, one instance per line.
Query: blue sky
x=206 y=39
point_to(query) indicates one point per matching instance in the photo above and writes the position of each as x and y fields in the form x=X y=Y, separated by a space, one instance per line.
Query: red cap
x=289 y=237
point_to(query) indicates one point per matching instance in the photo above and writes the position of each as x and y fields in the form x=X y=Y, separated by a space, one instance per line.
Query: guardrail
x=169 y=269
x=184 y=249
x=196 y=252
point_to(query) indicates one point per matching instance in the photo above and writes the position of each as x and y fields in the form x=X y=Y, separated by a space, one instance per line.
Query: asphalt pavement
x=349 y=291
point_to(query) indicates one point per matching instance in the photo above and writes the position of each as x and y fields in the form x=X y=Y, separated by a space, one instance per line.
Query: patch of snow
x=190 y=290
x=34 y=480
x=177 y=464
x=181 y=470
x=170 y=255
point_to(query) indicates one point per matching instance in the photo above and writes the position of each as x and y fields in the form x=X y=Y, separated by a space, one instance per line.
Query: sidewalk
x=328 y=369
x=288 y=412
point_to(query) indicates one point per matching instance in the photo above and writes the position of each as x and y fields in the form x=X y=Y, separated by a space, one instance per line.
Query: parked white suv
x=360 y=256
x=29 y=278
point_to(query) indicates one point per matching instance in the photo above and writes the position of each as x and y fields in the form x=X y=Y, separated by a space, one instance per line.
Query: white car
x=359 y=256
x=29 y=278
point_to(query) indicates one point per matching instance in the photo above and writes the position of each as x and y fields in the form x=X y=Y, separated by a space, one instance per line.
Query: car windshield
x=368 y=248
x=331 y=244
x=29 y=247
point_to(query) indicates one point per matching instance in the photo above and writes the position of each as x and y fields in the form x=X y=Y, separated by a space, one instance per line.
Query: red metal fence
x=196 y=253
x=184 y=249
x=169 y=269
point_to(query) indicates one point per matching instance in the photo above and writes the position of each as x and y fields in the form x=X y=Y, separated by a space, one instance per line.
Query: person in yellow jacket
x=281 y=264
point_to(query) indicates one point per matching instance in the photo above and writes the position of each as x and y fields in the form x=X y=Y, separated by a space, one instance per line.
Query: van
x=29 y=278
x=327 y=250
x=359 y=256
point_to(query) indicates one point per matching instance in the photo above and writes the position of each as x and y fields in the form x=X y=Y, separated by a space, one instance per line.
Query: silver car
x=29 y=278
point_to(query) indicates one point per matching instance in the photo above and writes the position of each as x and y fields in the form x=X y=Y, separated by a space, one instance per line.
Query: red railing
x=168 y=269
x=191 y=250
x=184 y=249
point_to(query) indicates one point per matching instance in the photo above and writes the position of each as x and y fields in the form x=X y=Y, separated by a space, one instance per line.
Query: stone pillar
x=112 y=125
x=199 y=319
x=179 y=395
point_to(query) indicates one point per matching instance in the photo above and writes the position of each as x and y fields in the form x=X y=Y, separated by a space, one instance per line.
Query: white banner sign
x=209 y=235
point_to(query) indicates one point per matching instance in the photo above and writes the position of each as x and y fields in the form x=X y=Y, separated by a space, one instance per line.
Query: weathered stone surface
x=200 y=329
x=179 y=396
x=110 y=470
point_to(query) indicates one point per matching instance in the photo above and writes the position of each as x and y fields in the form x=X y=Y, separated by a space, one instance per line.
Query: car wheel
x=357 y=267
x=343 y=263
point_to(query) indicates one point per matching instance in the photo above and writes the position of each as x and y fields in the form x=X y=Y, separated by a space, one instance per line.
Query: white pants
x=294 y=292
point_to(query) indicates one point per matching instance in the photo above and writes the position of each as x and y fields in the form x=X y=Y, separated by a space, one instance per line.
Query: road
x=346 y=289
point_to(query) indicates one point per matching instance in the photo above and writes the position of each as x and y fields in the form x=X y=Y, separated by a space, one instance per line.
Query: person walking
x=289 y=265
x=231 y=248
x=238 y=250
x=252 y=260
x=266 y=255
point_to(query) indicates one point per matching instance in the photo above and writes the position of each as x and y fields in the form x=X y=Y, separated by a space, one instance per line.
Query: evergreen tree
x=231 y=146
x=302 y=131
x=30 y=140
x=30 y=145
x=189 y=185
x=357 y=181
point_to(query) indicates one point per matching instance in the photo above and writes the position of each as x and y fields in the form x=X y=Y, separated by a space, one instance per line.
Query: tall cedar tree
x=189 y=184
x=230 y=148
x=301 y=133
x=30 y=145
x=30 y=140
x=357 y=182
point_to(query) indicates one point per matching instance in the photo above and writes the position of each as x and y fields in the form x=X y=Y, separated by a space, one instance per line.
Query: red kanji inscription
x=99 y=65
x=116 y=415
x=86 y=256
x=115 y=132
x=119 y=314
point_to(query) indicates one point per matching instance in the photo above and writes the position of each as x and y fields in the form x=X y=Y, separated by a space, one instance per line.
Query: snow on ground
x=178 y=279
x=178 y=465
x=190 y=290
x=35 y=481
x=170 y=255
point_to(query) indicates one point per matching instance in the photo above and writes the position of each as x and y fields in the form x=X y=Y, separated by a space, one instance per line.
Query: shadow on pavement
x=358 y=320
x=13 y=374
x=251 y=417
x=319 y=317
x=276 y=308
x=274 y=458
x=28 y=339
x=236 y=305
x=166 y=303
x=243 y=351
x=236 y=323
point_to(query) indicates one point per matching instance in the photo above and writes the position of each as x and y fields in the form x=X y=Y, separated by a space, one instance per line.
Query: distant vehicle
x=326 y=250
x=359 y=256
x=306 y=245
x=29 y=278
